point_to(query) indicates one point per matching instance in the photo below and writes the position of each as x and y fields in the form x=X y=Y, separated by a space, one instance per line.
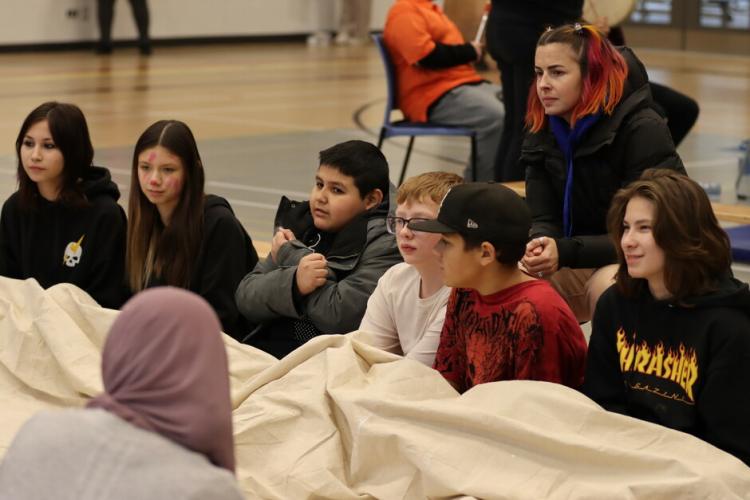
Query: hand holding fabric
x=281 y=237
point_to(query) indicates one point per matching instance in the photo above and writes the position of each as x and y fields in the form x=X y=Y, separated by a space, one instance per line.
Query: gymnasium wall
x=27 y=22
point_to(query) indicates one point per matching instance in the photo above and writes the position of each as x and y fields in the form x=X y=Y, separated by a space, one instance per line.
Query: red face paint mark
x=173 y=185
x=152 y=156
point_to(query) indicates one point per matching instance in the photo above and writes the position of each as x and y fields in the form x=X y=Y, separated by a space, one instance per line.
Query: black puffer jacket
x=357 y=256
x=613 y=153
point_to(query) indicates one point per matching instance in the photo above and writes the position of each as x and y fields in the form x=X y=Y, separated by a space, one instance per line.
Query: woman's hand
x=541 y=257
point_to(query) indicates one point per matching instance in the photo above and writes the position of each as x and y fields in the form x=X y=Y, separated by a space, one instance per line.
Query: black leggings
x=106 y=13
x=513 y=47
x=516 y=78
x=680 y=110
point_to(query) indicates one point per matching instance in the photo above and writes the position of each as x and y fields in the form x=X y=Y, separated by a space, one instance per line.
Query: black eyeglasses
x=396 y=224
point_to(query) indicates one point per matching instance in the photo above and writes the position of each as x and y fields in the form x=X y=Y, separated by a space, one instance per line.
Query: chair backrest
x=391 y=102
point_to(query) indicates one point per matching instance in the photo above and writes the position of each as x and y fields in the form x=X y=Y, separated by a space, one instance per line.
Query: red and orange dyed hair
x=603 y=71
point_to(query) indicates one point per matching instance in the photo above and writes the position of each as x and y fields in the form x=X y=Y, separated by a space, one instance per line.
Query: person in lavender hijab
x=161 y=429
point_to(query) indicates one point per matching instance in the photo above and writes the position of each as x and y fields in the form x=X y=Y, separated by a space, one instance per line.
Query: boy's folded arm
x=338 y=307
x=264 y=295
x=291 y=253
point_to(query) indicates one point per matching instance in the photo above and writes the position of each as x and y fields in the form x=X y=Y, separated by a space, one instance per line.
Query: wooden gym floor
x=262 y=111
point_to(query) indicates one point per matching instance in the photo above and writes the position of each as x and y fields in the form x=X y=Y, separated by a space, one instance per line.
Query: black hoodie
x=56 y=243
x=684 y=366
x=226 y=255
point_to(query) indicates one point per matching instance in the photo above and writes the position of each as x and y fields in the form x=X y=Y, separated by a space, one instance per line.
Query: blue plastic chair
x=739 y=237
x=414 y=129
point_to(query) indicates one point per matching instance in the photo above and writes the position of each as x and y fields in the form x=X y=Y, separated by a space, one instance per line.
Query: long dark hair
x=696 y=249
x=155 y=250
x=71 y=136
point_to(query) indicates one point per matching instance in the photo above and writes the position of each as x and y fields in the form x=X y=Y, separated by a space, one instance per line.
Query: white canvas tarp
x=339 y=419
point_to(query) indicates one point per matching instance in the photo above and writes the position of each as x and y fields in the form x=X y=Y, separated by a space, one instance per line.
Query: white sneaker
x=342 y=38
x=345 y=38
x=319 y=39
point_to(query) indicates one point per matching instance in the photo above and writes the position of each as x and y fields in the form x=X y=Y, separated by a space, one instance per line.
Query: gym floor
x=262 y=111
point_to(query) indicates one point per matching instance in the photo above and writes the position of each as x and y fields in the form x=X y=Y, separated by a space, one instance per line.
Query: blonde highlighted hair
x=429 y=186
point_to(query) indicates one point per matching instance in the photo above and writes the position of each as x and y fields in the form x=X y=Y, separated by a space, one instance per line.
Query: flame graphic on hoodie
x=677 y=365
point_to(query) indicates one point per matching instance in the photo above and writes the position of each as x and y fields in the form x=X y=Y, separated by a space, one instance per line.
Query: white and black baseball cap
x=485 y=210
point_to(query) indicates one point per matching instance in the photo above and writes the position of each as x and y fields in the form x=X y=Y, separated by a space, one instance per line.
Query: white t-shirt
x=398 y=321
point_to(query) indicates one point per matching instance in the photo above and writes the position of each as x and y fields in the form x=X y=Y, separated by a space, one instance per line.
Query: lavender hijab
x=165 y=370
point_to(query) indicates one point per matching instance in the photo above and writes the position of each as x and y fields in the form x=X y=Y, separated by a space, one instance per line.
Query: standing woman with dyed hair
x=63 y=225
x=670 y=342
x=592 y=131
x=178 y=235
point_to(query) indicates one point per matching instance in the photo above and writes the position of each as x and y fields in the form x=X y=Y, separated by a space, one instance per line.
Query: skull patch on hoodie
x=73 y=252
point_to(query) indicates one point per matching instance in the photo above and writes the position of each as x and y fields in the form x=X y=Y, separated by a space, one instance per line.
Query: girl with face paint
x=63 y=225
x=178 y=235
x=591 y=131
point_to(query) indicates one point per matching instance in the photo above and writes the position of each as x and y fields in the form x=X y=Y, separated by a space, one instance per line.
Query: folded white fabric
x=340 y=419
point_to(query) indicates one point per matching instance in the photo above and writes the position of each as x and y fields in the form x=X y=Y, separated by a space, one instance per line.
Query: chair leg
x=406 y=160
x=473 y=158
x=381 y=138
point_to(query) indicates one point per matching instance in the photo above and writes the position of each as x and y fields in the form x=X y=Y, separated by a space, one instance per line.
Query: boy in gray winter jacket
x=326 y=256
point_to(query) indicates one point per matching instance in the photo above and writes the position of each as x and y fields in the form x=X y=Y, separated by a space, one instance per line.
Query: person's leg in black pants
x=140 y=14
x=516 y=79
x=680 y=110
x=105 y=11
x=513 y=48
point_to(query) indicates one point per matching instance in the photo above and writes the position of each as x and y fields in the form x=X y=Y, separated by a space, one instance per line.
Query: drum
x=616 y=11
x=466 y=14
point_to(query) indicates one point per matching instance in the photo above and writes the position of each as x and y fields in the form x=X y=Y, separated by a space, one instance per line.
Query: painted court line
x=243 y=187
x=727 y=161
x=253 y=204
x=232 y=185
x=712 y=163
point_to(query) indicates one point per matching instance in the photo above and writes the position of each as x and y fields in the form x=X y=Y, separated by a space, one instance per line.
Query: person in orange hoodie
x=436 y=80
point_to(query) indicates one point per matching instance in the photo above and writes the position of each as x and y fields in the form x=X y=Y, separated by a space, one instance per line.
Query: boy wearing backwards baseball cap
x=501 y=323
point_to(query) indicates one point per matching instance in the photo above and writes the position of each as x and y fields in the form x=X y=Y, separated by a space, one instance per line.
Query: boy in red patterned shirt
x=501 y=323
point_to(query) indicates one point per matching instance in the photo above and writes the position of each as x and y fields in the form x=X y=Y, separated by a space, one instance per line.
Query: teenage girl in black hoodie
x=63 y=225
x=670 y=342
x=178 y=235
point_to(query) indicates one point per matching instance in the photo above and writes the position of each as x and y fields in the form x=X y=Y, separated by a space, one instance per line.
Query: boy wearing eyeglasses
x=406 y=311
x=327 y=254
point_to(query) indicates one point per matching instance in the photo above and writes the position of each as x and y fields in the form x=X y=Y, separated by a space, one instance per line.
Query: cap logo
x=471 y=224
